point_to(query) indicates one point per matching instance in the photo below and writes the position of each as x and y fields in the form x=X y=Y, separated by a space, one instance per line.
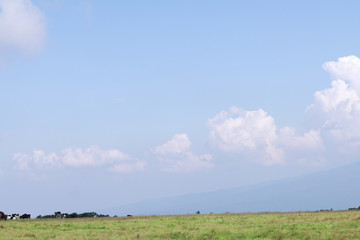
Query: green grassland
x=295 y=225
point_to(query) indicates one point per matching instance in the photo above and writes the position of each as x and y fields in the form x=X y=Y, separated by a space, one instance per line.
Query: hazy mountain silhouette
x=336 y=188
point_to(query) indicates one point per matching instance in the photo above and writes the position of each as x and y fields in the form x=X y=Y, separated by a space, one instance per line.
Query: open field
x=296 y=225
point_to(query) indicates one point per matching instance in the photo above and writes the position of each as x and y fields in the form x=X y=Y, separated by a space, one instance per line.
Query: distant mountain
x=337 y=189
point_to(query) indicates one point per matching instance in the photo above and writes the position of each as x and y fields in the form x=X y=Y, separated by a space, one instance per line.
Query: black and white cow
x=25 y=216
x=14 y=216
x=58 y=214
x=61 y=215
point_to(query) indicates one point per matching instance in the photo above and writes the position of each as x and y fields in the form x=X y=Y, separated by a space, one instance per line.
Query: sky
x=104 y=103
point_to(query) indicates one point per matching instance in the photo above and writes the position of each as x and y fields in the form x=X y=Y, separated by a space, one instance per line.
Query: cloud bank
x=93 y=156
x=176 y=156
x=22 y=28
x=330 y=135
x=333 y=120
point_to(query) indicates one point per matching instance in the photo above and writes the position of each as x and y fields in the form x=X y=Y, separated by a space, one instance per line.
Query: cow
x=57 y=214
x=25 y=216
x=14 y=216
x=64 y=215
x=3 y=216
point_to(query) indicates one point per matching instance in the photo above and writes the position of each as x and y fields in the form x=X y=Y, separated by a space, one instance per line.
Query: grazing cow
x=14 y=216
x=3 y=216
x=64 y=215
x=25 y=216
x=57 y=214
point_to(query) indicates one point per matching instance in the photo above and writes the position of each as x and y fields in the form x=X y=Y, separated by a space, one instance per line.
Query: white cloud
x=239 y=129
x=92 y=156
x=41 y=159
x=178 y=144
x=333 y=122
x=310 y=140
x=22 y=27
x=341 y=97
x=246 y=131
x=347 y=69
x=254 y=133
x=338 y=107
x=175 y=155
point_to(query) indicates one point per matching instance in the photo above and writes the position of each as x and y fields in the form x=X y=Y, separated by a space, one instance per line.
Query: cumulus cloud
x=22 y=27
x=176 y=155
x=239 y=129
x=178 y=144
x=254 y=133
x=332 y=121
x=77 y=157
x=346 y=69
x=338 y=107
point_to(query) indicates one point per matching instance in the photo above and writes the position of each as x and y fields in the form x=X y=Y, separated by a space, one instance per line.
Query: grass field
x=296 y=225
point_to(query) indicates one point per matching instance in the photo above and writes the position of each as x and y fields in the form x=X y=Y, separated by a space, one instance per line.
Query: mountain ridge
x=330 y=189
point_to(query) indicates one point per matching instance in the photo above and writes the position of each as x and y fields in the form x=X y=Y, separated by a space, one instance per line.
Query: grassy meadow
x=295 y=225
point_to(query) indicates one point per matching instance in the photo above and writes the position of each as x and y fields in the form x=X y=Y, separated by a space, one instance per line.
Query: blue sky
x=144 y=99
